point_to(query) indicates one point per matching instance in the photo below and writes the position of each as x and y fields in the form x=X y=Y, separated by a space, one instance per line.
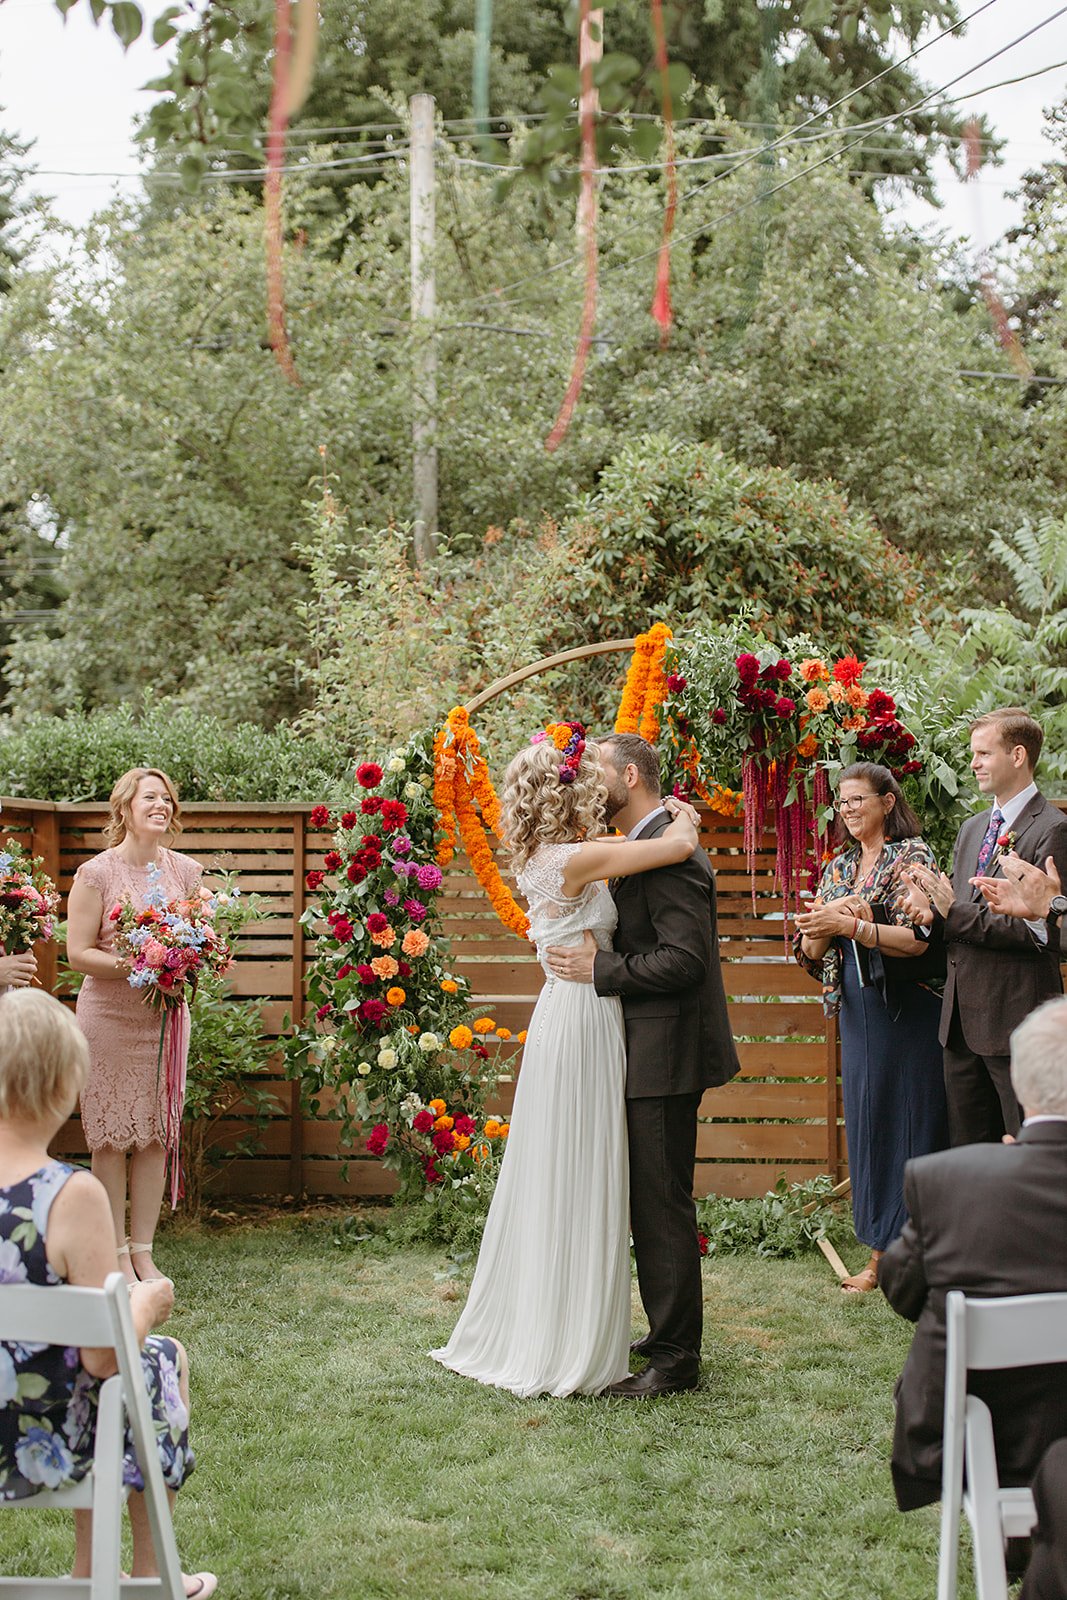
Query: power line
x=773 y=145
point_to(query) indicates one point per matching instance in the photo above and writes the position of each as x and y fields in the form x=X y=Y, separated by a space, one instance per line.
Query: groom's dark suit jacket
x=990 y=1219
x=665 y=966
x=997 y=971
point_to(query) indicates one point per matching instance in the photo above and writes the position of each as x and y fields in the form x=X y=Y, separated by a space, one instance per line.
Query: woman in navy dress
x=880 y=979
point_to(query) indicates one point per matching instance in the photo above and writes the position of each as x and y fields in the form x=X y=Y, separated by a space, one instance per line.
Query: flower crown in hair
x=569 y=740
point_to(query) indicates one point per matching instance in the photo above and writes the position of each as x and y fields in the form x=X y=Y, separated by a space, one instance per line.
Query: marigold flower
x=445 y=1121
x=817 y=700
x=484 y=1025
x=855 y=696
x=807 y=746
x=437 y=1107
x=396 y=996
x=415 y=942
x=384 y=967
x=462 y=1141
x=492 y=1128
x=503 y=1033
x=505 y=1129
x=449 y=986
x=813 y=670
x=460 y=1037
x=521 y=1036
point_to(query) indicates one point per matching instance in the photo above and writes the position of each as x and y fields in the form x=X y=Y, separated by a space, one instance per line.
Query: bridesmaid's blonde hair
x=121 y=799
x=536 y=808
x=43 y=1055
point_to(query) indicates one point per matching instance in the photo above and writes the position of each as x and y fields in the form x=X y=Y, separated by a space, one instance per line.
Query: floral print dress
x=48 y=1402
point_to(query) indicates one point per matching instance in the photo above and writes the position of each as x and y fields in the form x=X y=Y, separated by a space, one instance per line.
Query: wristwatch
x=1057 y=905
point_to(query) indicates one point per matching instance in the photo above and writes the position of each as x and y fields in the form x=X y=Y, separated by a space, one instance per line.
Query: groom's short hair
x=629 y=749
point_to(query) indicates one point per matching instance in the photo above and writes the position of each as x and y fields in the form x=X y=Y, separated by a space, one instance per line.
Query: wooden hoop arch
x=581 y=653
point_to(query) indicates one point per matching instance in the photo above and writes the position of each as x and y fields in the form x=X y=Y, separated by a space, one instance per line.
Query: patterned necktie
x=989 y=843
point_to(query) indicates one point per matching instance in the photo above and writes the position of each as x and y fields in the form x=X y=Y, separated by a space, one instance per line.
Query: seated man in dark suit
x=1046 y=1576
x=990 y=1220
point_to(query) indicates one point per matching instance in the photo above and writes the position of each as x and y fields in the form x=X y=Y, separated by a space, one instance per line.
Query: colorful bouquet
x=170 y=945
x=28 y=901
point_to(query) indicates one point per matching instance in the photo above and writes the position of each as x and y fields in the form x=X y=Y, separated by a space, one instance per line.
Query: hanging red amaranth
x=587 y=210
x=272 y=191
x=662 y=310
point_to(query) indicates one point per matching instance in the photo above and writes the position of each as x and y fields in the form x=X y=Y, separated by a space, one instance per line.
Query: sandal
x=206 y=1584
x=860 y=1282
x=157 y=1277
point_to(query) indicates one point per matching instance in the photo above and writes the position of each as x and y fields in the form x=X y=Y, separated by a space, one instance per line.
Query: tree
x=144 y=412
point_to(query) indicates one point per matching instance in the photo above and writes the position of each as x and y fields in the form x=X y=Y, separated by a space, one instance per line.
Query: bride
x=549 y=1307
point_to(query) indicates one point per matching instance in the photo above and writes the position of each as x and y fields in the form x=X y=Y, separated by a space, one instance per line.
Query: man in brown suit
x=999 y=968
x=990 y=1220
x=665 y=965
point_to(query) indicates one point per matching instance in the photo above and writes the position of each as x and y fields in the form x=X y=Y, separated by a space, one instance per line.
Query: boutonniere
x=1006 y=841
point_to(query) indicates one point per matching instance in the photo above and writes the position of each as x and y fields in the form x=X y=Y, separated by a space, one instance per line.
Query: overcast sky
x=70 y=88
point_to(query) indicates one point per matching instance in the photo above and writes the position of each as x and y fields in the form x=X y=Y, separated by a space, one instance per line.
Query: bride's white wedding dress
x=549 y=1308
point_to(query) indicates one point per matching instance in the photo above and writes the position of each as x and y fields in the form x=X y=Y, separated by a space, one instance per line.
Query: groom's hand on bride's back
x=573 y=962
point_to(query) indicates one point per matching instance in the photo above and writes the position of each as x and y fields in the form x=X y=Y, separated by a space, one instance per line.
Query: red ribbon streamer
x=272 y=190
x=662 y=310
x=587 y=210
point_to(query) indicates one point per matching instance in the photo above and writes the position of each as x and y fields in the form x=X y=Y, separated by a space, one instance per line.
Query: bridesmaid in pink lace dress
x=122 y=1104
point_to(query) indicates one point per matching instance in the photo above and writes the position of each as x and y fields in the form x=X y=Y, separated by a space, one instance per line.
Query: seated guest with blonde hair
x=990 y=1219
x=55 y=1228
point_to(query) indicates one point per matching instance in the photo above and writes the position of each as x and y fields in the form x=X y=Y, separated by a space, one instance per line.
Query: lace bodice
x=115 y=879
x=556 y=918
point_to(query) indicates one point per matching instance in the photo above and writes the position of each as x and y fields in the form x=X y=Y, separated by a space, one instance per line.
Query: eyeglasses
x=853 y=801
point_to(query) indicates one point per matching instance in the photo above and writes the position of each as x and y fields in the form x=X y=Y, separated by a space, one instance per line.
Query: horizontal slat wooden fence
x=781 y=1115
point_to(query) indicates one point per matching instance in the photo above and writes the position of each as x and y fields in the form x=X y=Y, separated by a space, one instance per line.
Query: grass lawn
x=336 y=1461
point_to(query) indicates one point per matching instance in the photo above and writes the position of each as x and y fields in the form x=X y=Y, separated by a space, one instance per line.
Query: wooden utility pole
x=423 y=313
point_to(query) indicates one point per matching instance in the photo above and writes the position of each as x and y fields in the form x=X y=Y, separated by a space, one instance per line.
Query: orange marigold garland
x=455 y=791
x=656 y=691
x=645 y=688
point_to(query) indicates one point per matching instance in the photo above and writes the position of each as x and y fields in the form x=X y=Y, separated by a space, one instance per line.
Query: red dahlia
x=369 y=775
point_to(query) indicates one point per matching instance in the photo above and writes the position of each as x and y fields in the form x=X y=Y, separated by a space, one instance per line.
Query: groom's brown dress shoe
x=648 y=1385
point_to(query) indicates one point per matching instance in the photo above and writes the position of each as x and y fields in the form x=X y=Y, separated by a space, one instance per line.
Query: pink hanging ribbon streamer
x=174 y=1057
x=662 y=310
x=588 y=213
x=272 y=191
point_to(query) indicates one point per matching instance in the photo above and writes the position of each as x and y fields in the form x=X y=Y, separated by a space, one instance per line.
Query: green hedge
x=79 y=757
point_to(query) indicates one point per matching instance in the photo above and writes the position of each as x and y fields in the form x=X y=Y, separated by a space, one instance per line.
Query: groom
x=665 y=966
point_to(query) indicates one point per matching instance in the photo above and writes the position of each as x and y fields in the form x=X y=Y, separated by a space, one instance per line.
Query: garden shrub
x=685 y=532
x=78 y=757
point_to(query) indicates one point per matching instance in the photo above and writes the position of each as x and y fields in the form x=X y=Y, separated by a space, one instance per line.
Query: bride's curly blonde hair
x=536 y=808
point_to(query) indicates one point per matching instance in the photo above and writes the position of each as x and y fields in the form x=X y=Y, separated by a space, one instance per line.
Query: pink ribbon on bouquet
x=174 y=1056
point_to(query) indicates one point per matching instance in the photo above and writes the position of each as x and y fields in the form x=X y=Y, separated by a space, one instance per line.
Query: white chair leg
x=949 y=1553
x=982 y=1503
x=107 y=1492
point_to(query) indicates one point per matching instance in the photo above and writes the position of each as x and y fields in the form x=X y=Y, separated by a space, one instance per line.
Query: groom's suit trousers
x=662 y=1133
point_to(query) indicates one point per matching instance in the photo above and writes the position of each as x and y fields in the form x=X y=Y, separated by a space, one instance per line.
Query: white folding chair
x=1026 y=1330
x=100 y=1318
